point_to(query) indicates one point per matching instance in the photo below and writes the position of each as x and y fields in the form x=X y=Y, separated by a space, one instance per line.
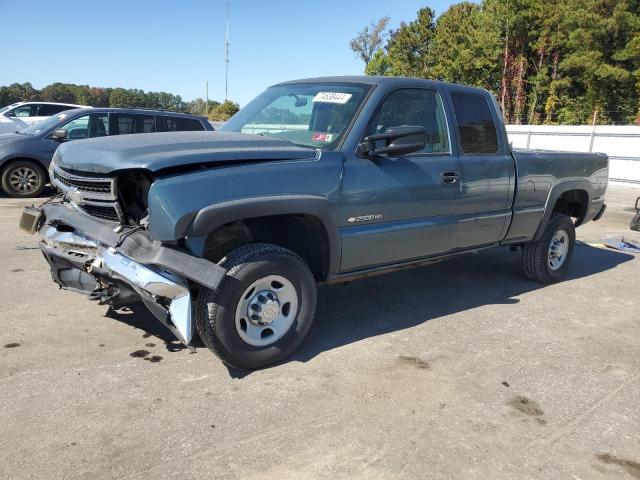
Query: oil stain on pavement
x=629 y=466
x=414 y=362
x=139 y=353
x=526 y=406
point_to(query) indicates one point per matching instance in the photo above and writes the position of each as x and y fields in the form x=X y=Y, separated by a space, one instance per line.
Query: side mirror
x=60 y=134
x=398 y=141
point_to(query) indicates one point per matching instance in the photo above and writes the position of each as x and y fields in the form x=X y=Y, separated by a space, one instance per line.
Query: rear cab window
x=476 y=126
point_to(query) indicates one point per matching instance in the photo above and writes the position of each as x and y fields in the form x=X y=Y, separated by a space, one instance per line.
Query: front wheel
x=262 y=310
x=23 y=179
x=547 y=259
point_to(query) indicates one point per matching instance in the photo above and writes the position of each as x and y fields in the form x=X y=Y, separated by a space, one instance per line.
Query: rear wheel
x=547 y=259
x=262 y=310
x=23 y=179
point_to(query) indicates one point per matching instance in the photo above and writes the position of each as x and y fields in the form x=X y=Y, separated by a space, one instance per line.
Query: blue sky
x=176 y=46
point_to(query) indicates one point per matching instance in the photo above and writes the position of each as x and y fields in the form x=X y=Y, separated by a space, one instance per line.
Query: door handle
x=449 y=177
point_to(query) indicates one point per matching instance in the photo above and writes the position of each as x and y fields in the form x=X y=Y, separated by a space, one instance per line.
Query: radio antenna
x=226 y=55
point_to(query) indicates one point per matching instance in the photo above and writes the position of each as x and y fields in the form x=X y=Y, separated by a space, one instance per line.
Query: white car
x=18 y=116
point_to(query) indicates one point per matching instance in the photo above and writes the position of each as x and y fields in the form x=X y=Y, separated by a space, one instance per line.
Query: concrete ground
x=464 y=369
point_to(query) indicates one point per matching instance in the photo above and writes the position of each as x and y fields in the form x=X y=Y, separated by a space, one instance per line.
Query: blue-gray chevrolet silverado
x=228 y=233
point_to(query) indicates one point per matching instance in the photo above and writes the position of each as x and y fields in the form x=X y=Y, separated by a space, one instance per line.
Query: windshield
x=46 y=124
x=310 y=115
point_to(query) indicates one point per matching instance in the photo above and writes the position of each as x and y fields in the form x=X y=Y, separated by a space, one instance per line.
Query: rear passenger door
x=487 y=175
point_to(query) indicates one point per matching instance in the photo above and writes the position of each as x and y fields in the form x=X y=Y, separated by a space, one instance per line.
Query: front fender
x=214 y=216
x=200 y=224
x=193 y=204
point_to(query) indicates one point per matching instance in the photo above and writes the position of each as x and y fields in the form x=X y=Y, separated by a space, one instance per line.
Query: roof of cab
x=379 y=80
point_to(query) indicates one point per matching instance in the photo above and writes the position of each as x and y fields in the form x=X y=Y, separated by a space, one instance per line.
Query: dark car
x=25 y=156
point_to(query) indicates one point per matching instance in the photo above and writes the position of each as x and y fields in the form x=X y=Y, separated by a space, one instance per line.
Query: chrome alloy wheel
x=24 y=180
x=558 y=249
x=266 y=310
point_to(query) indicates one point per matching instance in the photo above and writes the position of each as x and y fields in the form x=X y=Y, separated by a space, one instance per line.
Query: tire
x=23 y=179
x=544 y=264
x=223 y=322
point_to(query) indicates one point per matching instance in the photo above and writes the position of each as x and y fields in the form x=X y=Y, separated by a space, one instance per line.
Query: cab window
x=414 y=107
x=476 y=127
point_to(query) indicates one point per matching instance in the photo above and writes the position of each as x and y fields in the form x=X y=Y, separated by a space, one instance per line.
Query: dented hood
x=158 y=151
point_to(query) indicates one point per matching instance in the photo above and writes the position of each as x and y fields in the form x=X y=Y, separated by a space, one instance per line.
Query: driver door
x=396 y=209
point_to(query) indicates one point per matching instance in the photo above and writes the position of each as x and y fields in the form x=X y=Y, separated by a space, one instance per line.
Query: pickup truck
x=323 y=180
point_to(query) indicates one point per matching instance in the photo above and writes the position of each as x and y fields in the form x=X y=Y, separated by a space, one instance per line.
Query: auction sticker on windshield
x=322 y=137
x=332 y=97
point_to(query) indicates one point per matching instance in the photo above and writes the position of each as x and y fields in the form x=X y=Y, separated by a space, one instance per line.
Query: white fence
x=621 y=143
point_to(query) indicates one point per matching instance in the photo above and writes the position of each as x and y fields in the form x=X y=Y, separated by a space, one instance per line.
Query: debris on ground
x=624 y=245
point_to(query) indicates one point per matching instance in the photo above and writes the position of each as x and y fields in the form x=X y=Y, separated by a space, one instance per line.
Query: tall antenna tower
x=226 y=55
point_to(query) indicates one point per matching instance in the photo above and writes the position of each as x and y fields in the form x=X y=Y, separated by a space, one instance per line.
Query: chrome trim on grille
x=70 y=189
x=83 y=196
x=113 y=205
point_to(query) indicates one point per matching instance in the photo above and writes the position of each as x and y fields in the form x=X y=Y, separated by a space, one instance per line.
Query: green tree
x=119 y=98
x=224 y=111
x=18 y=92
x=369 y=40
x=546 y=61
x=408 y=46
x=379 y=64
x=466 y=47
x=195 y=107
x=599 y=64
x=97 y=96
x=59 y=92
x=105 y=97
x=168 y=101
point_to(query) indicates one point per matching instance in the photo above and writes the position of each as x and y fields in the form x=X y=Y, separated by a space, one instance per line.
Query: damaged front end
x=120 y=266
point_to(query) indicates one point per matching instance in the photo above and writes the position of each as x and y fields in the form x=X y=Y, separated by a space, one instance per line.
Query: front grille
x=89 y=187
x=93 y=195
x=106 y=212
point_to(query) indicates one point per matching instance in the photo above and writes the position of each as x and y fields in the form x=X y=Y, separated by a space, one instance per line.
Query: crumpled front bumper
x=124 y=267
